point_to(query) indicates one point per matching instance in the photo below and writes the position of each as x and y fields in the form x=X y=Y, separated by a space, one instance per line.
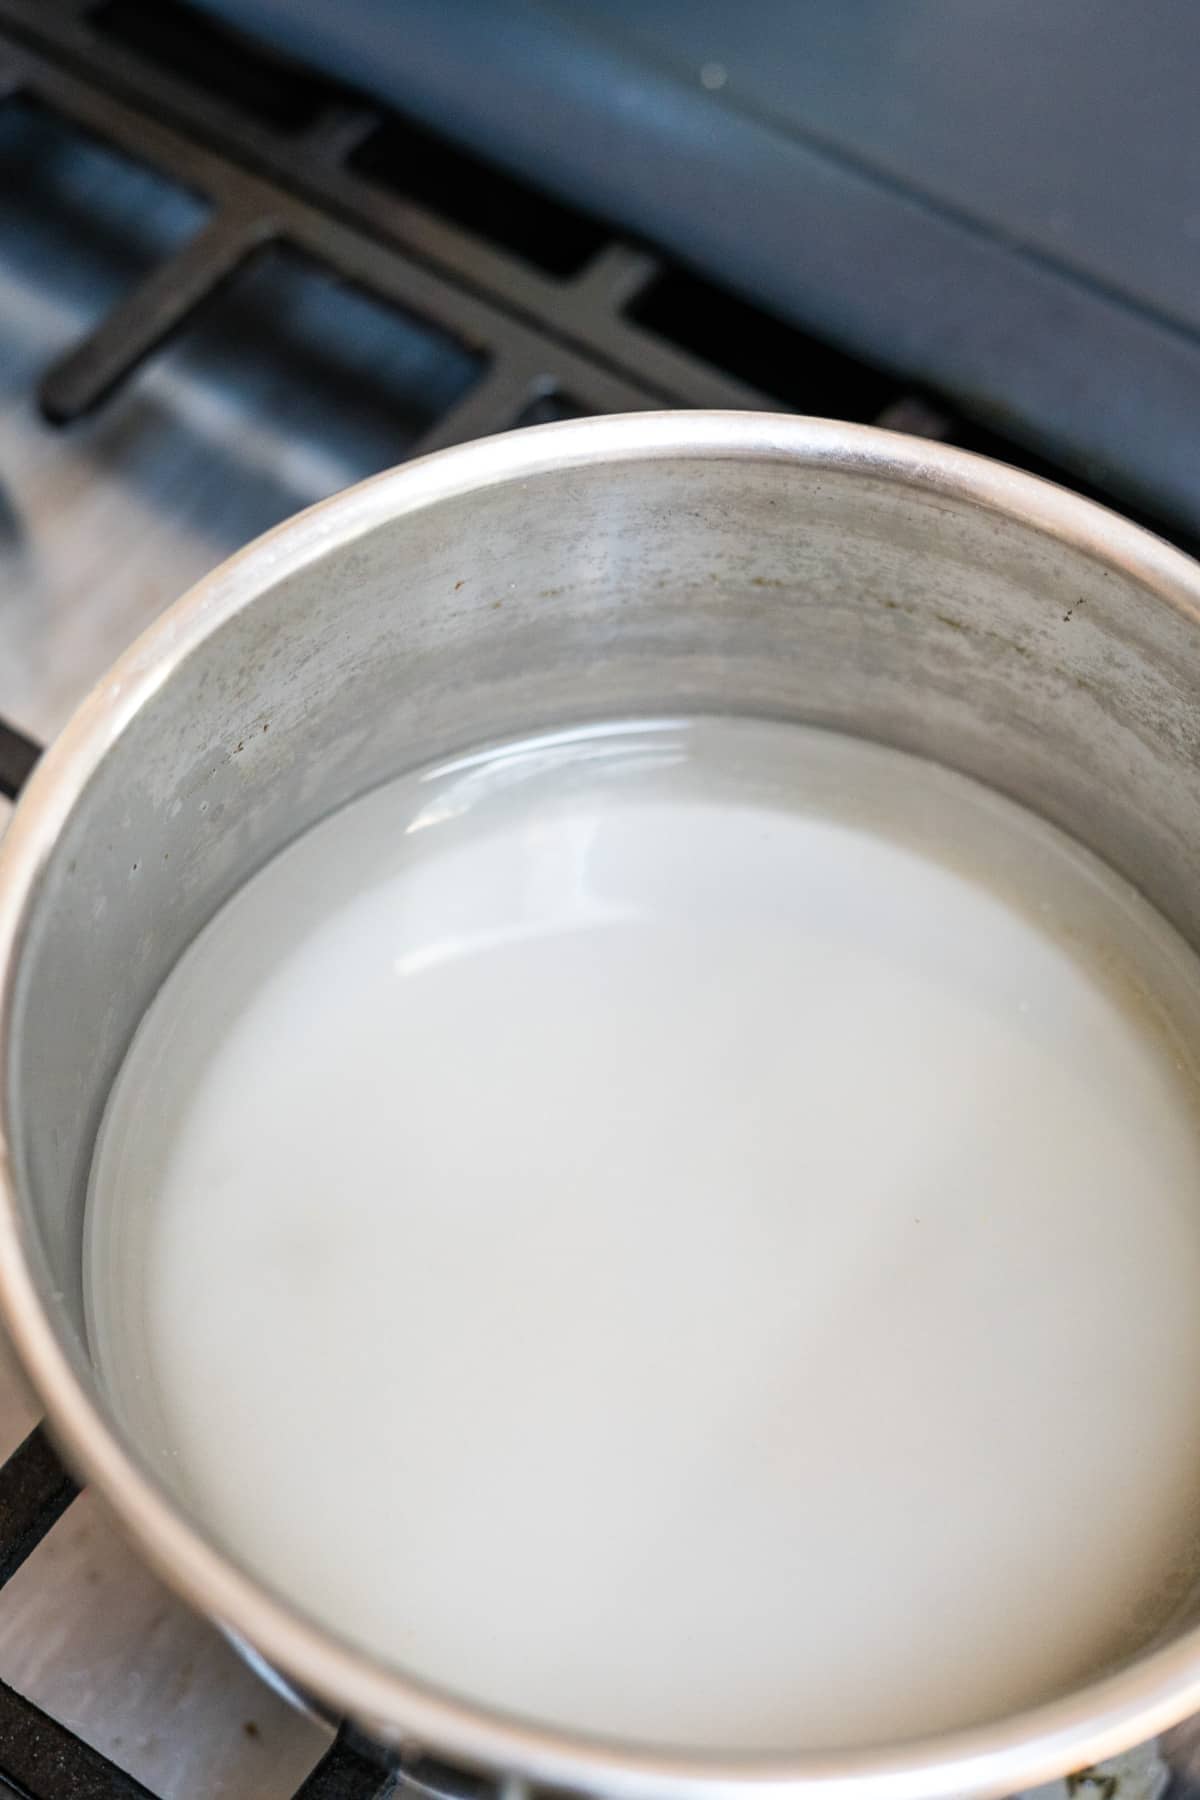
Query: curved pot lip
x=1020 y=1752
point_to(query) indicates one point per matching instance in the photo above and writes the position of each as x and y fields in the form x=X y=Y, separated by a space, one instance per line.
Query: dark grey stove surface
x=999 y=201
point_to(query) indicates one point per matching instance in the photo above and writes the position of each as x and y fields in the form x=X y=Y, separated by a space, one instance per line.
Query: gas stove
x=229 y=287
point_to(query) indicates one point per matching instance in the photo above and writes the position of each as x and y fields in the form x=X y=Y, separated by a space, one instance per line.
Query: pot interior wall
x=777 y=588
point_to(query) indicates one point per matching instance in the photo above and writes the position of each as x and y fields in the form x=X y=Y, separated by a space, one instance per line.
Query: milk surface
x=688 y=1231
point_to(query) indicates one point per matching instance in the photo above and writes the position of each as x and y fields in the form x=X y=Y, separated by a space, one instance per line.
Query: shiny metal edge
x=1023 y=1751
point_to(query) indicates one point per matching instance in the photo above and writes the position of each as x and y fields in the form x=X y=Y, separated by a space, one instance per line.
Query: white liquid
x=689 y=1232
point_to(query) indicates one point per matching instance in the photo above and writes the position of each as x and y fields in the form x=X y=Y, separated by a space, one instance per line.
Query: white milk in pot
x=687 y=1231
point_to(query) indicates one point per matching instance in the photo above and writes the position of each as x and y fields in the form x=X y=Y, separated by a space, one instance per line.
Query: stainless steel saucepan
x=792 y=568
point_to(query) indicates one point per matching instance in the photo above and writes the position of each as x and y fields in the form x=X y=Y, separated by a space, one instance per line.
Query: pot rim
x=1107 y=1716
